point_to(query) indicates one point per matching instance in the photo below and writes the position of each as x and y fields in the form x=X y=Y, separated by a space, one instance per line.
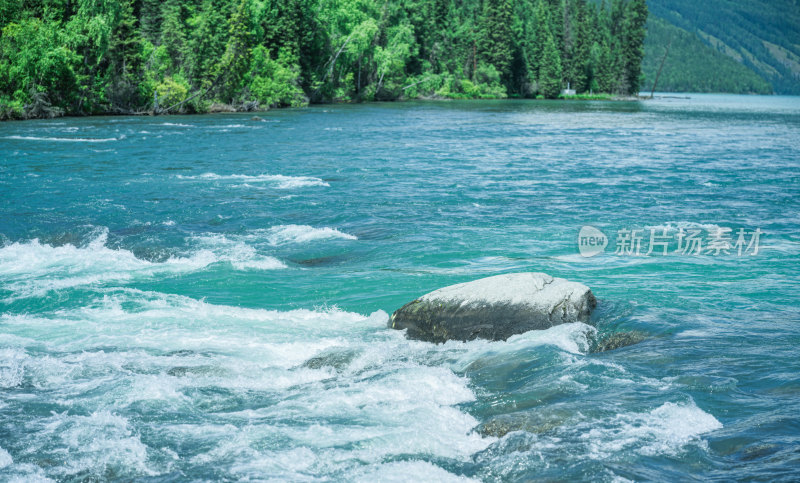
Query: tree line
x=134 y=56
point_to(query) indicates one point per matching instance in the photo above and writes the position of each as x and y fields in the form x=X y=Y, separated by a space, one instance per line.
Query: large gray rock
x=495 y=308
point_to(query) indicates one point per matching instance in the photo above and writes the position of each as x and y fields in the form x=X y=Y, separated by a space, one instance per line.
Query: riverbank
x=45 y=111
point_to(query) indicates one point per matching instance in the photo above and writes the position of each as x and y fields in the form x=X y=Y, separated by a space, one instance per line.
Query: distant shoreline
x=229 y=109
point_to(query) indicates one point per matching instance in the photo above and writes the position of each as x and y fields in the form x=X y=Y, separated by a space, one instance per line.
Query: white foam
x=665 y=430
x=37 y=371
x=5 y=459
x=403 y=471
x=175 y=124
x=227 y=126
x=778 y=245
x=699 y=333
x=403 y=407
x=11 y=368
x=572 y=339
x=65 y=140
x=238 y=253
x=96 y=442
x=280 y=181
x=32 y=268
x=27 y=473
x=683 y=225
x=119 y=316
x=261 y=263
x=290 y=465
x=388 y=400
x=286 y=234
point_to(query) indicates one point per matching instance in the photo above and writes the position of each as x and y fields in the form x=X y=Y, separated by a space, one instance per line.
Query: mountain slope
x=692 y=65
x=762 y=36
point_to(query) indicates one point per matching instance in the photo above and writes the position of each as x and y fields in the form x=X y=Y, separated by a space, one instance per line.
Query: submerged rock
x=495 y=308
x=322 y=261
x=185 y=371
x=336 y=358
x=618 y=340
x=531 y=422
x=180 y=353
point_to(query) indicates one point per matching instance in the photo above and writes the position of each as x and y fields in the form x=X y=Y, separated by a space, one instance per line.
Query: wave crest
x=280 y=181
x=285 y=234
x=32 y=268
x=65 y=140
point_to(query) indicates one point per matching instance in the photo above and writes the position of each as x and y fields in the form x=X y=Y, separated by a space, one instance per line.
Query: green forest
x=692 y=66
x=735 y=46
x=169 y=56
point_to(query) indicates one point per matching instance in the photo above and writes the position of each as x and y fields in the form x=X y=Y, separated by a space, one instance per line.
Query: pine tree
x=9 y=11
x=150 y=20
x=125 y=62
x=442 y=41
x=542 y=31
x=568 y=39
x=173 y=37
x=550 y=70
x=496 y=47
x=235 y=61
x=579 y=74
x=206 y=41
x=633 y=34
x=603 y=52
x=557 y=22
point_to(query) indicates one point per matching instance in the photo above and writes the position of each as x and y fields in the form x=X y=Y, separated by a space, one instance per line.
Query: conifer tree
x=633 y=34
x=125 y=62
x=173 y=37
x=150 y=19
x=542 y=29
x=579 y=73
x=496 y=46
x=550 y=70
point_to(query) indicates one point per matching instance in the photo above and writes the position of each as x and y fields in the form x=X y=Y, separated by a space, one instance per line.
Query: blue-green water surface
x=206 y=297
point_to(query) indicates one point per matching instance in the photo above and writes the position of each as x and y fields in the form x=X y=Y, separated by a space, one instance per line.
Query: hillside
x=723 y=45
x=692 y=66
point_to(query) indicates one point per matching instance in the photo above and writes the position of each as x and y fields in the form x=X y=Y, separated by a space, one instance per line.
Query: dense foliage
x=759 y=35
x=97 y=56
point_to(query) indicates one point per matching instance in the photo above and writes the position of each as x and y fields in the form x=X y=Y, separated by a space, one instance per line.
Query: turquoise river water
x=206 y=297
